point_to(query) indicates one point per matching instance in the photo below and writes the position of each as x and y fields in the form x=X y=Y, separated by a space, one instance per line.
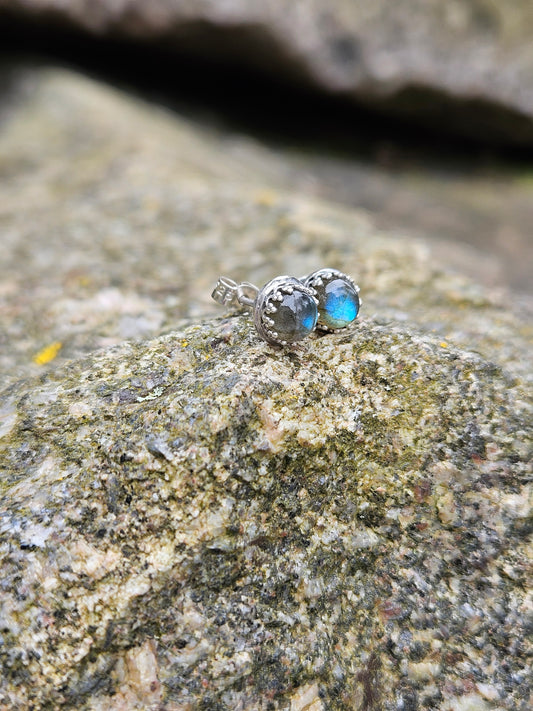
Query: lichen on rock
x=192 y=519
x=203 y=521
x=131 y=243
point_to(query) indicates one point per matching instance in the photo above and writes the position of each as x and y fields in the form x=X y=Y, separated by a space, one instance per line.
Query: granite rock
x=465 y=65
x=192 y=519
x=204 y=521
x=117 y=218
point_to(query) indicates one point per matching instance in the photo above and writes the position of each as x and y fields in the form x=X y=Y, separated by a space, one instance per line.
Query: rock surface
x=117 y=218
x=201 y=521
x=447 y=63
x=196 y=520
x=487 y=208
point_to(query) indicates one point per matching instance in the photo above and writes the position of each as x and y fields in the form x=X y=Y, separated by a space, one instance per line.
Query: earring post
x=228 y=293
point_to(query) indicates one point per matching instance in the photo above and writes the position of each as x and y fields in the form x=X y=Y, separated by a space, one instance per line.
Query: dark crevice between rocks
x=241 y=78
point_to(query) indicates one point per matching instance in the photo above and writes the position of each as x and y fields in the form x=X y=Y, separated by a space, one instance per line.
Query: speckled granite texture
x=201 y=521
x=191 y=519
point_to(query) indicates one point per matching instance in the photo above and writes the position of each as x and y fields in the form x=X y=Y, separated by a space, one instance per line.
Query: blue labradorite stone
x=295 y=317
x=339 y=303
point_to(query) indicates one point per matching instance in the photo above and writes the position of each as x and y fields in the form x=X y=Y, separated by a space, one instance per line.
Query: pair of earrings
x=287 y=309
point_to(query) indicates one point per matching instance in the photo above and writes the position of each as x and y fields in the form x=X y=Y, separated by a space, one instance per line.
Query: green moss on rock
x=250 y=525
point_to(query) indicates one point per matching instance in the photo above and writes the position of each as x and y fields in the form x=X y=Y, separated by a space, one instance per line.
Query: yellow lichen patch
x=47 y=354
x=267 y=198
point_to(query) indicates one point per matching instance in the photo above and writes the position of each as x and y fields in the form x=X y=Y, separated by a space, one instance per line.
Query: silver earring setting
x=287 y=309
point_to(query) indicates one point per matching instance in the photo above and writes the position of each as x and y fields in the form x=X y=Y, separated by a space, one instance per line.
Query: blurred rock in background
x=117 y=217
x=413 y=57
x=395 y=108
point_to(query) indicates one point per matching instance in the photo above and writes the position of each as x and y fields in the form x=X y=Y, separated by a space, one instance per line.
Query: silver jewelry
x=285 y=310
x=338 y=298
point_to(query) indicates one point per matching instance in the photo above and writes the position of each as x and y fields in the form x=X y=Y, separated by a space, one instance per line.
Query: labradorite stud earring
x=285 y=310
x=338 y=298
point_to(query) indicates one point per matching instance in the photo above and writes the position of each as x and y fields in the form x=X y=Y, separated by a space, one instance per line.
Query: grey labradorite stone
x=295 y=317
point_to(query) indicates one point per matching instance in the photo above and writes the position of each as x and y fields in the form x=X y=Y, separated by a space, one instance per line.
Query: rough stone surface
x=197 y=520
x=116 y=220
x=203 y=521
x=413 y=56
